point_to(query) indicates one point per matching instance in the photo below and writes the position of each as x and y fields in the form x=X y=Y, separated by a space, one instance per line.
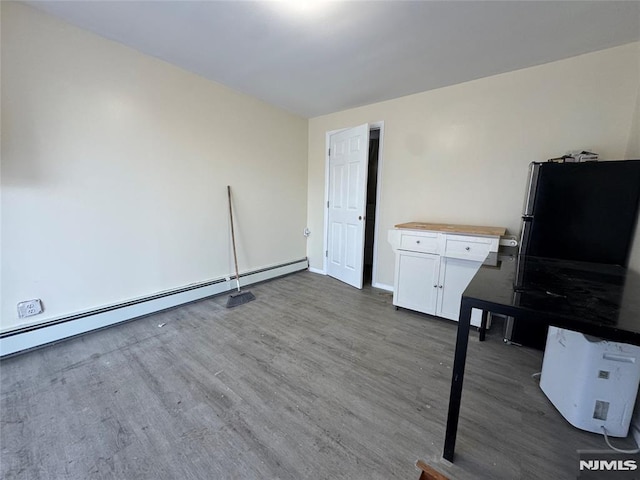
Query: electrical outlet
x=29 y=308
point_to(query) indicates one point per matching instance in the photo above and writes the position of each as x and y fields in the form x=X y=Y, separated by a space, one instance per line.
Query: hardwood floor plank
x=313 y=379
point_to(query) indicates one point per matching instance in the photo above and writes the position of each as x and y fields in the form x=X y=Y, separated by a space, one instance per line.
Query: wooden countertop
x=445 y=227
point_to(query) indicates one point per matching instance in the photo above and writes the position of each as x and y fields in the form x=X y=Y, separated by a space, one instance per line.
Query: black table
x=595 y=299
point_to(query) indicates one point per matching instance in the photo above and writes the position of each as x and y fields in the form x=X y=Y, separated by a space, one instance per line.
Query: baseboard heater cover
x=33 y=336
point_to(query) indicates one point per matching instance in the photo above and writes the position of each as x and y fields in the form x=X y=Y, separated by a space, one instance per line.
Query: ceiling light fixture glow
x=304 y=8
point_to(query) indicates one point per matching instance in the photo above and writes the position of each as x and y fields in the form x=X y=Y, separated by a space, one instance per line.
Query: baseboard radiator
x=29 y=337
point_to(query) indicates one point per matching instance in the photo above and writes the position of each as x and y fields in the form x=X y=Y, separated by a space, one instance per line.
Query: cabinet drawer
x=470 y=248
x=419 y=243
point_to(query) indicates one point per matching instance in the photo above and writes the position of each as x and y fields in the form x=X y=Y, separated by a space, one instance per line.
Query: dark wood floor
x=313 y=379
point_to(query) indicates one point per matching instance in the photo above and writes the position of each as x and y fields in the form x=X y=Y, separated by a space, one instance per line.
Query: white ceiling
x=342 y=54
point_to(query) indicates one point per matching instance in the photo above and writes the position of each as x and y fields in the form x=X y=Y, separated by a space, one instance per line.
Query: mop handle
x=233 y=238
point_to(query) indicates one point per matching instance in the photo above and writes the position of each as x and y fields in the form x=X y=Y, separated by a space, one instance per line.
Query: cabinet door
x=416 y=281
x=455 y=275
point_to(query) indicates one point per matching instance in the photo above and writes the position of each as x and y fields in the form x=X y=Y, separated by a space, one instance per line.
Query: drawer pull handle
x=417 y=241
x=468 y=248
x=440 y=286
x=435 y=286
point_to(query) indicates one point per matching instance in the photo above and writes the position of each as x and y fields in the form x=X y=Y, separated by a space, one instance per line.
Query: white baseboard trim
x=317 y=270
x=382 y=286
x=33 y=336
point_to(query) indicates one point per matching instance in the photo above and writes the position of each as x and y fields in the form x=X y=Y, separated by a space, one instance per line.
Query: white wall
x=460 y=154
x=114 y=164
x=114 y=172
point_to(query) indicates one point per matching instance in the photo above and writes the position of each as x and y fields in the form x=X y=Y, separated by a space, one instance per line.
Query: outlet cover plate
x=29 y=308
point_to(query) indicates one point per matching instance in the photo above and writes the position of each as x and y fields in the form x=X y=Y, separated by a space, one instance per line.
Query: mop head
x=239 y=298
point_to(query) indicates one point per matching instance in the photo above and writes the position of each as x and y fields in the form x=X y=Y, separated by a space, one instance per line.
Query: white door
x=348 y=162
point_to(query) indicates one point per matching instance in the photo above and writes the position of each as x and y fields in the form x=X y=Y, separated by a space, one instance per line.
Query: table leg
x=483 y=325
x=455 y=396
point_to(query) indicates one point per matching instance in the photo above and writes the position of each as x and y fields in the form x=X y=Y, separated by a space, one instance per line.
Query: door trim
x=325 y=244
x=376 y=231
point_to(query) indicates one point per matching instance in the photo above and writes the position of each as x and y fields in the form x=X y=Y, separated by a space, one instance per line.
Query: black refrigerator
x=584 y=211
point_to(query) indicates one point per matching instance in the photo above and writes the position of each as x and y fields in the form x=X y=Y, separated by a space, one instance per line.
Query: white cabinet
x=455 y=275
x=417 y=279
x=433 y=268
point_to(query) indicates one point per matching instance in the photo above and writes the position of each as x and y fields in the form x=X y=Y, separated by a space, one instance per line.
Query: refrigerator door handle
x=532 y=184
x=527 y=211
x=527 y=220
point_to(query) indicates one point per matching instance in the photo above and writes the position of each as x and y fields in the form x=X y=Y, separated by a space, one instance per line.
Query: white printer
x=592 y=382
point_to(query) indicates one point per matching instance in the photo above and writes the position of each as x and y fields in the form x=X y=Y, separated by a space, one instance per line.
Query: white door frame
x=325 y=246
